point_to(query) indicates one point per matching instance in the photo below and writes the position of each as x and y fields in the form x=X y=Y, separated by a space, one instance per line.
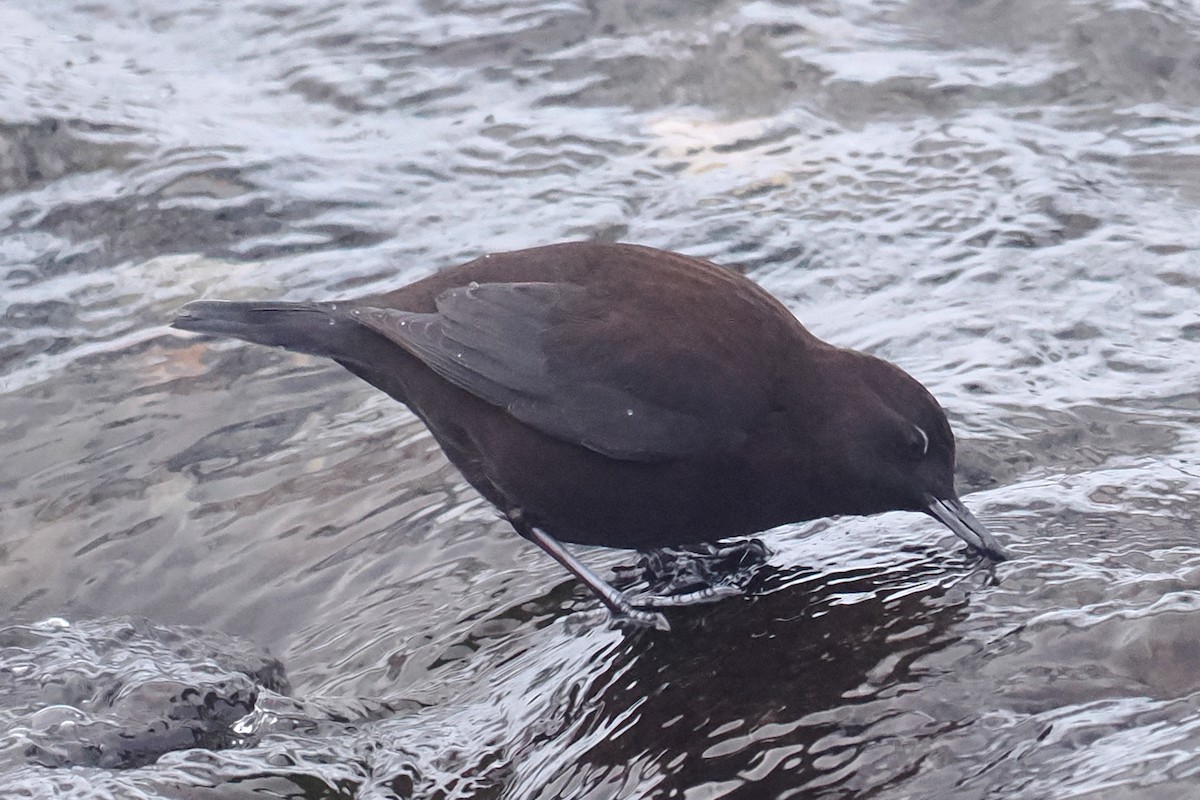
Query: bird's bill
x=955 y=516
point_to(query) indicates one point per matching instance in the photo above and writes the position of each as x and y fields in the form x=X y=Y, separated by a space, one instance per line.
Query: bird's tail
x=314 y=328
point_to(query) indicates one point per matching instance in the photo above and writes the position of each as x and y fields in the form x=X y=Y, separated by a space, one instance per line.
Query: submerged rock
x=120 y=693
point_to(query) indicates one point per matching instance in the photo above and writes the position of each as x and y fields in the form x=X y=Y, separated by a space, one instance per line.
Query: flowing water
x=227 y=571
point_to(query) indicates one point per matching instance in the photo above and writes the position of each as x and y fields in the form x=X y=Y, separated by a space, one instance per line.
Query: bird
x=623 y=396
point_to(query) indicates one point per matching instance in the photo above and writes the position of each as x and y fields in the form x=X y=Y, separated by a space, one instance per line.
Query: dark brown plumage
x=623 y=396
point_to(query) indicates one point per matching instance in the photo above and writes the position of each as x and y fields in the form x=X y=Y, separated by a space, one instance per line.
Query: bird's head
x=896 y=450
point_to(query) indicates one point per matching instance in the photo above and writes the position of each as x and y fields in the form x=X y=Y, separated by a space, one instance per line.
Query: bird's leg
x=621 y=611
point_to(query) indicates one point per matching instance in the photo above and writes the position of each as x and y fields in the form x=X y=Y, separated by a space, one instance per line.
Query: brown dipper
x=622 y=396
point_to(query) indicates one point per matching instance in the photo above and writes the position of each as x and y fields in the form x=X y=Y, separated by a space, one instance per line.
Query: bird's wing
x=563 y=363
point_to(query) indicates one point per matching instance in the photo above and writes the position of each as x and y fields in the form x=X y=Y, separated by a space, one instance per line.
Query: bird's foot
x=680 y=576
x=633 y=618
x=675 y=576
x=709 y=594
x=630 y=620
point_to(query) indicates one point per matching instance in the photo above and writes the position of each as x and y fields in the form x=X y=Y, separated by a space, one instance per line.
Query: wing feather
x=531 y=348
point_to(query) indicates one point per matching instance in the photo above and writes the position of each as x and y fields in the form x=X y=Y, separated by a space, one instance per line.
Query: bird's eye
x=918 y=442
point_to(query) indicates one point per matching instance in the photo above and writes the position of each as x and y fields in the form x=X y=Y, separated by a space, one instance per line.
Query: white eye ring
x=924 y=440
